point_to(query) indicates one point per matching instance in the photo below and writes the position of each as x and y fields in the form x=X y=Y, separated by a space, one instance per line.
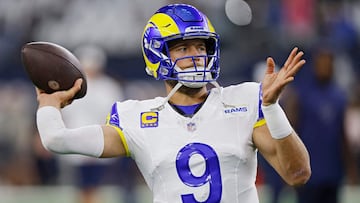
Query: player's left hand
x=274 y=82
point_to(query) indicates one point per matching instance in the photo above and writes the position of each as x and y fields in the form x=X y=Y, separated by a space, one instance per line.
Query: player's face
x=184 y=48
x=324 y=66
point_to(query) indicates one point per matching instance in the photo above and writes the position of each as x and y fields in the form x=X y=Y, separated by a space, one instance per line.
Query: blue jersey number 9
x=211 y=175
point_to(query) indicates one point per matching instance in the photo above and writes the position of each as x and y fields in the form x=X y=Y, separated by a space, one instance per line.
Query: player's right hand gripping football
x=58 y=99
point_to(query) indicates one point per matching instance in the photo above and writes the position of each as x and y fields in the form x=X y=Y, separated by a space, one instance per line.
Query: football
x=52 y=68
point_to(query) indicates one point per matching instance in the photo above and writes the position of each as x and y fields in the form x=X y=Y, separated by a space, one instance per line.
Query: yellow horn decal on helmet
x=165 y=24
x=166 y=27
x=211 y=27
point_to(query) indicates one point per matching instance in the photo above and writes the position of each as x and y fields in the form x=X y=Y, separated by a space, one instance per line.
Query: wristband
x=276 y=120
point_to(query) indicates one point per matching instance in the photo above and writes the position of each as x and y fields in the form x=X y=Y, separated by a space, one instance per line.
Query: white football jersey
x=210 y=157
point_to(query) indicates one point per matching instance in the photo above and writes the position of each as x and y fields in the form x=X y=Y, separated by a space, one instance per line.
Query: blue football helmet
x=180 y=22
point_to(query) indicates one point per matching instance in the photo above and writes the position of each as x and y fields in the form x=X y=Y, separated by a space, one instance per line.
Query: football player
x=196 y=144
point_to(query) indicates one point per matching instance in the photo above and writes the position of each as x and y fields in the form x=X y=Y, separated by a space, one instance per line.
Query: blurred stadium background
x=116 y=26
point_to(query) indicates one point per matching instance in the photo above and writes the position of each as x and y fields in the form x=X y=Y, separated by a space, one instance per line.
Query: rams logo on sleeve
x=149 y=119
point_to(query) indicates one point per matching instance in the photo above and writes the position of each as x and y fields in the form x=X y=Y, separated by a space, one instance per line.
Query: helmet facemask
x=195 y=76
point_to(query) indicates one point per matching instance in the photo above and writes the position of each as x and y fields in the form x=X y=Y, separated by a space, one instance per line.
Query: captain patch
x=149 y=119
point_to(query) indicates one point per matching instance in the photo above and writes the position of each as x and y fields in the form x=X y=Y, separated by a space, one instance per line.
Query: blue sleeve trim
x=114 y=118
x=260 y=113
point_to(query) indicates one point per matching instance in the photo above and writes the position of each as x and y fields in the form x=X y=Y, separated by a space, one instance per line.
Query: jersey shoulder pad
x=246 y=92
x=139 y=105
x=128 y=111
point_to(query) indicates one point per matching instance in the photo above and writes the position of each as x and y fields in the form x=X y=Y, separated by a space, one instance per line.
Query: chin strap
x=177 y=87
x=171 y=93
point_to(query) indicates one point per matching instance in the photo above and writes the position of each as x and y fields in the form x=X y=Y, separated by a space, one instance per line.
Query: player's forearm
x=291 y=154
x=293 y=160
x=88 y=140
x=48 y=102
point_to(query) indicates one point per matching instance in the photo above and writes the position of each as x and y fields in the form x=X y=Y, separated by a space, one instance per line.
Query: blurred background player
x=317 y=109
x=89 y=173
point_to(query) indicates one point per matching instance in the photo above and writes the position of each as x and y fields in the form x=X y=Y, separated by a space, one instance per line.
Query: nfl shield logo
x=191 y=127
